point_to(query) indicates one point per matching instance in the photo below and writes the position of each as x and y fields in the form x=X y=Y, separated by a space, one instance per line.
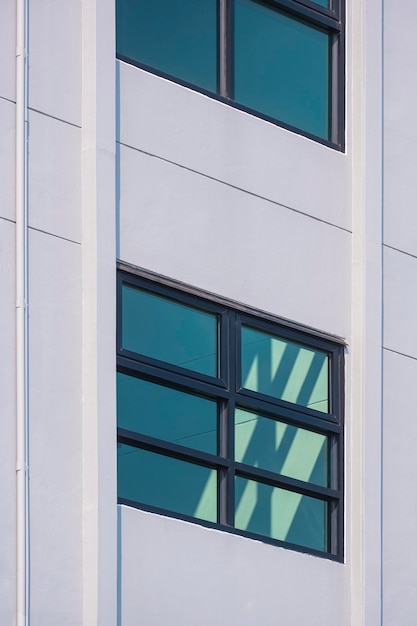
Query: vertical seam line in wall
x=381 y=582
x=21 y=180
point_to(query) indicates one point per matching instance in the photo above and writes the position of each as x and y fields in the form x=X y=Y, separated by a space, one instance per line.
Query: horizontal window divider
x=284 y=482
x=174 y=450
x=319 y=16
x=171 y=374
x=288 y=412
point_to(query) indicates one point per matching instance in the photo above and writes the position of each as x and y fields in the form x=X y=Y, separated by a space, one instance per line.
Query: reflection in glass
x=281 y=448
x=282 y=67
x=285 y=370
x=178 y=37
x=280 y=514
x=166 y=413
x=164 y=329
x=160 y=481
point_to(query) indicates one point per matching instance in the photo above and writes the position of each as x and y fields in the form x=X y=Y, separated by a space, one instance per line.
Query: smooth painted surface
x=7 y=162
x=55 y=177
x=217 y=574
x=232 y=243
x=400 y=131
x=8 y=428
x=199 y=133
x=400 y=490
x=55 y=59
x=7 y=49
x=55 y=431
x=400 y=300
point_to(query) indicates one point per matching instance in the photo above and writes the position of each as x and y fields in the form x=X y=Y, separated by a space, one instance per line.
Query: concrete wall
x=400 y=307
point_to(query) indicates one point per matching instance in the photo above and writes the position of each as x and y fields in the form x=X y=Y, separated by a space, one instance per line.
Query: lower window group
x=228 y=418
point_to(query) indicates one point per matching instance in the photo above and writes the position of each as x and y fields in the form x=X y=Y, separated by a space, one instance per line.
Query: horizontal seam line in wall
x=413 y=256
x=7 y=219
x=222 y=182
x=45 y=232
x=8 y=99
x=407 y=356
x=53 y=117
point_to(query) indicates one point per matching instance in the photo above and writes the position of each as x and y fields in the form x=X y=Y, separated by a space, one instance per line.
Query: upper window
x=228 y=418
x=281 y=59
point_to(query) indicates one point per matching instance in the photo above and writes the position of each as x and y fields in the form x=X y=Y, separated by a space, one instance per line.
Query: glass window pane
x=285 y=370
x=166 y=413
x=282 y=67
x=166 y=483
x=323 y=3
x=281 y=448
x=280 y=514
x=178 y=37
x=164 y=329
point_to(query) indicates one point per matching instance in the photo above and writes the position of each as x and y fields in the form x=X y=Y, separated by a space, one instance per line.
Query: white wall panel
x=55 y=431
x=7 y=48
x=188 y=128
x=400 y=490
x=55 y=177
x=55 y=58
x=205 y=233
x=400 y=302
x=400 y=104
x=177 y=573
x=7 y=160
x=8 y=424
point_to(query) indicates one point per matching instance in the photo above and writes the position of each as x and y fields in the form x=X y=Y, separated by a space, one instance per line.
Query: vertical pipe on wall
x=22 y=547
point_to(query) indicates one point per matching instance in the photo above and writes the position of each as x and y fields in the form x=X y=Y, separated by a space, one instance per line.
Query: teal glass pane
x=166 y=330
x=166 y=413
x=280 y=514
x=285 y=370
x=178 y=37
x=281 y=448
x=323 y=3
x=167 y=483
x=282 y=67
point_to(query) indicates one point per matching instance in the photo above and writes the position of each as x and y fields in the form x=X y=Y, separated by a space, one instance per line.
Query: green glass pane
x=323 y=3
x=178 y=37
x=281 y=448
x=166 y=413
x=282 y=67
x=164 y=329
x=280 y=514
x=166 y=483
x=285 y=370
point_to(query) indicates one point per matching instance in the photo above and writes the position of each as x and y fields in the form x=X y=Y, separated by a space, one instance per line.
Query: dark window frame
x=331 y=20
x=228 y=393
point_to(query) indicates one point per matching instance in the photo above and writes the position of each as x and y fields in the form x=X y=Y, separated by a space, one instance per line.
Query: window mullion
x=226 y=48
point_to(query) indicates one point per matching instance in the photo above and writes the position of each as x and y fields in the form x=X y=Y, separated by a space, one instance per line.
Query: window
x=228 y=418
x=280 y=59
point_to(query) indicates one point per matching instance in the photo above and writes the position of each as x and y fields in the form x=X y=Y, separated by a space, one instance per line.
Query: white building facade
x=106 y=165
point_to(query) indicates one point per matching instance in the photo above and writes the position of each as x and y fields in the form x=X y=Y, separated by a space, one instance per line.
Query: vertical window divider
x=222 y=7
x=231 y=418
